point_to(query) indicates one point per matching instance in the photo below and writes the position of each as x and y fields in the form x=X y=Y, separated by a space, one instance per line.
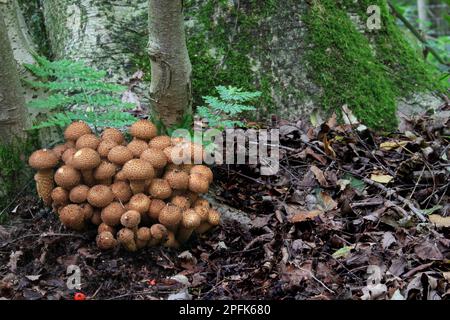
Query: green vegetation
x=77 y=92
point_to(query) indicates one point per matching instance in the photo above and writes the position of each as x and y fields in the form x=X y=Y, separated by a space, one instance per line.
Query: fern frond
x=60 y=100
x=236 y=94
x=77 y=85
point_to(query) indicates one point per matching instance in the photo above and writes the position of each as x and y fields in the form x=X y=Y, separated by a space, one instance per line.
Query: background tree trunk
x=12 y=102
x=422 y=13
x=170 y=88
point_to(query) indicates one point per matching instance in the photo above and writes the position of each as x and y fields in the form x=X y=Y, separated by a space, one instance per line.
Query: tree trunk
x=12 y=102
x=422 y=14
x=170 y=88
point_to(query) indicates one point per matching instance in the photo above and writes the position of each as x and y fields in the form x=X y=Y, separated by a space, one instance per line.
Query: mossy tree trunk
x=12 y=102
x=170 y=88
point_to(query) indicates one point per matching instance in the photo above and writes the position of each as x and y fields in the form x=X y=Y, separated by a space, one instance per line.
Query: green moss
x=366 y=76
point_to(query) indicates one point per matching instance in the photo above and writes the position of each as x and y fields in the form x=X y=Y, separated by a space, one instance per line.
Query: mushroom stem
x=184 y=234
x=44 y=185
x=204 y=227
x=171 y=241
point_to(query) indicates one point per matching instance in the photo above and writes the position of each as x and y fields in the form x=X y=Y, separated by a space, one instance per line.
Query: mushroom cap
x=104 y=227
x=113 y=134
x=138 y=169
x=67 y=155
x=59 y=149
x=120 y=155
x=105 y=146
x=139 y=202
x=43 y=159
x=201 y=202
x=76 y=129
x=203 y=212
x=158 y=231
x=106 y=241
x=60 y=196
x=155 y=157
x=121 y=191
x=88 y=211
x=111 y=213
x=72 y=217
x=126 y=238
x=170 y=215
x=67 y=177
x=160 y=142
x=120 y=176
x=177 y=179
x=160 y=189
x=143 y=234
x=87 y=141
x=105 y=170
x=191 y=195
x=171 y=241
x=143 y=129
x=100 y=196
x=130 y=219
x=198 y=183
x=214 y=217
x=137 y=146
x=85 y=159
x=181 y=202
x=203 y=170
x=177 y=154
x=191 y=219
x=155 y=208
x=79 y=193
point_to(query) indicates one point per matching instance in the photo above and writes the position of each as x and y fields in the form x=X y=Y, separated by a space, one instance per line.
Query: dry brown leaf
x=305 y=215
x=381 y=178
x=440 y=221
x=327 y=202
x=389 y=145
x=319 y=176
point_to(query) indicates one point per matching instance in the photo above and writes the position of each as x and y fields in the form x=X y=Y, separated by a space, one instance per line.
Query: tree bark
x=12 y=102
x=170 y=89
x=422 y=13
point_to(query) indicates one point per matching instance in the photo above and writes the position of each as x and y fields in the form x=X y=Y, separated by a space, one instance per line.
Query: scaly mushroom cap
x=67 y=177
x=104 y=227
x=155 y=208
x=59 y=149
x=120 y=176
x=203 y=212
x=130 y=219
x=72 y=217
x=120 y=155
x=191 y=219
x=100 y=196
x=113 y=134
x=155 y=157
x=105 y=241
x=200 y=202
x=87 y=141
x=143 y=129
x=160 y=189
x=111 y=214
x=105 y=170
x=67 y=156
x=177 y=154
x=43 y=159
x=121 y=191
x=181 y=202
x=105 y=146
x=60 y=196
x=137 y=146
x=158 y=231
x=138 y=169
x=143 y=234
x=88 y=211
x=170 y=216
x=203 y=170
x=86 y=159
x=139 y=202
x=160 y=142
x=214 y=217
x=79 y=193
x=76 y=130
x=126 y=238
x=198 y=183
x=178 y=180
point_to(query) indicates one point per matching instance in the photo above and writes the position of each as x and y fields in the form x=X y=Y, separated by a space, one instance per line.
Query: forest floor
x=341 y=220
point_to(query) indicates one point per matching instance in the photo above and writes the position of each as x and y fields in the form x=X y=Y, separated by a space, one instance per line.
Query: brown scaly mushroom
x=170 y=216
x=158 y=233
x=72 y=217
x=181 y=202
x=137 y=146
x=100 y=196
x=213 y=220
x=106 y=241
x=155 y=157
x=67 y=177
x=87 y=141
x=85 y=160
x=104 y=227
x=126 y=238
x=79 y=193
x=67 y=155
x=44 y=161
x=104 y=172
x=191 y=220
x=198 y=183
x=130 y=219
x=113 y=134
x=105 y=147
x=112 y=213
x=96 y=218
x=75 y=130
x=160 y=189
x=203 y=170
x=139 y=202
x=120 y=155
x=137 y=171
x=143 y=236
x=59 y=150
x=88 y=211
x=155 y=208
x=177 y=179
x=171 y=241
x=60 y=197
x=143 y=129
x=160 y=142
x=122 y=191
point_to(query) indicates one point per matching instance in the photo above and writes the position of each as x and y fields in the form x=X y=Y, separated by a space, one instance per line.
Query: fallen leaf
x=181 y=295
x=319 y=176
x=33 y=277
x=381 y=178
x=397 y=295
x=388 y=240
x=446 y=275
x=389 y=145
x=305 y=215
x=327 y=202
x=342 y=252
x=440 y=221
x=428 y=251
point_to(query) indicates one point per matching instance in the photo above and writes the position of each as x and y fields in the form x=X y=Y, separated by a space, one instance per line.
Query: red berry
x=79 y=296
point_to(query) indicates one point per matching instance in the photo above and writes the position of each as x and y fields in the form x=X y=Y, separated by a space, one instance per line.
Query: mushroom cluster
x=146 y=192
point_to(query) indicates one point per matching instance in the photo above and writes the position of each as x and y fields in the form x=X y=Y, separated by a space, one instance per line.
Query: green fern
x=77 y=92
x=223 y=111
